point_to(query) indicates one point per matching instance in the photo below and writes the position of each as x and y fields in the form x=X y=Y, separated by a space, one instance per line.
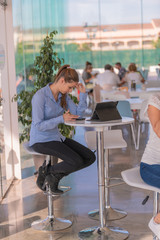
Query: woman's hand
x=81 y=87
x=67 y=116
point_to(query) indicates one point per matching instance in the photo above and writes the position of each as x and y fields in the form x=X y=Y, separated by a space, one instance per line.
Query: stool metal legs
x=156 y=203
x=51 y=223
x=156 y=207
x=111 y=213
x=102 y=232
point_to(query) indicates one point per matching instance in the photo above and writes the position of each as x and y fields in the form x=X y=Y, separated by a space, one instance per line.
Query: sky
x=111 y=11
x=47 y=13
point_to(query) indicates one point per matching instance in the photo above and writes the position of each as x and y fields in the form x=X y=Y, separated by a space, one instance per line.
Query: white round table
x=108 y=233
x=139 y=93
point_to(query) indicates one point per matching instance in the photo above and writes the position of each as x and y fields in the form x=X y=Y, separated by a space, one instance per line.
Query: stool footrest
x=51 y=224
x=113 y=181
x=63 y=188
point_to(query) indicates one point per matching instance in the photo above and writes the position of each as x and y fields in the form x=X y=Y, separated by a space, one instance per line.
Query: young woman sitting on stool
x=51 y=106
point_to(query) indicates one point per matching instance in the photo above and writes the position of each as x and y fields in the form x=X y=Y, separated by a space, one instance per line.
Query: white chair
x=142 y=119
x=125 y=111
x=96 y=93
x=112 y=139
x=132 y=177
x=144 y=73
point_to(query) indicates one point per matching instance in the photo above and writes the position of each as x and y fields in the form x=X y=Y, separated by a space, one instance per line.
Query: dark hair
x=118 y=63
x=108 y=67
x=88 y=65
x=70 y=75
x=132 y=67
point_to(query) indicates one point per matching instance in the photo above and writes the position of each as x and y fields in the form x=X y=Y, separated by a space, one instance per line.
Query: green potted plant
x=43 y=71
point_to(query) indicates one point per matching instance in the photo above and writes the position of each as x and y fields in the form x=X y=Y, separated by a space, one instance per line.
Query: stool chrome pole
x=102 y=232
x=156 y=203
x=111 y=213
x=155 y=208
x=51 y=223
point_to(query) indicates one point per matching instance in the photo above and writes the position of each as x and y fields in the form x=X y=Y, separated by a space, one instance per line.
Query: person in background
x=51 y=105
x=121 y=71
x=87 y=75
x=150 y=162
x=133 y=74
x=108 y=78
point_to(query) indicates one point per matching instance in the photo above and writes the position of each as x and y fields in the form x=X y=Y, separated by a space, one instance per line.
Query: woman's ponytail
x=69 y=75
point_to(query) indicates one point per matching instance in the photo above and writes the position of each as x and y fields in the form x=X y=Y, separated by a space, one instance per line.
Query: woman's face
x=67 y=87
x=89 y=68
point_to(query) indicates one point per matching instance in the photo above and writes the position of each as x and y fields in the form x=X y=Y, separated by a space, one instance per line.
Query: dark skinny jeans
x=75 y=156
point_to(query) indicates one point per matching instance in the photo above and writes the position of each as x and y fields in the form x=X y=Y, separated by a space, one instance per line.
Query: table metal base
x=106 y=233
x=111 y=214
x=51 y=224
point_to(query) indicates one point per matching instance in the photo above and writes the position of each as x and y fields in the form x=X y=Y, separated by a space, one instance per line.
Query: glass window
x=98 y=31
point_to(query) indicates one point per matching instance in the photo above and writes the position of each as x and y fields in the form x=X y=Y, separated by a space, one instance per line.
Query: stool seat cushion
x=133 y=178
x=30 y=149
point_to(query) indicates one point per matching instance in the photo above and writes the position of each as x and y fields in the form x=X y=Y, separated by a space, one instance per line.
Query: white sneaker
x=155 y=227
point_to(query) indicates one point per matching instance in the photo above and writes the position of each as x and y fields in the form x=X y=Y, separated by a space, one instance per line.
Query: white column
x=14 y=155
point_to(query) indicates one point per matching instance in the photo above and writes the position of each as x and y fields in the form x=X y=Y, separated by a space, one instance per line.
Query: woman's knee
x=92 y=157
x=77 y=164
x=89 y=160
x=80 y=163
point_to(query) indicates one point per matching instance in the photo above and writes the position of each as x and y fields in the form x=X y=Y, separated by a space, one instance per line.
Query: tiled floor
x=25 y=203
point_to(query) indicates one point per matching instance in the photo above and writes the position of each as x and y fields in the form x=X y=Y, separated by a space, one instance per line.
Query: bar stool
x=124 y=109
x=112 y=139
x=50 y=223
x=132 y=177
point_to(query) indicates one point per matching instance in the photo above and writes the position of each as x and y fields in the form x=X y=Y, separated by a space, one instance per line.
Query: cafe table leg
x=112 y=213
x=102 y=232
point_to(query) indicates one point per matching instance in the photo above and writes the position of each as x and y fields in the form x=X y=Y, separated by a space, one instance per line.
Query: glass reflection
x=4 y=183
x=111 y=31
x=97 y=31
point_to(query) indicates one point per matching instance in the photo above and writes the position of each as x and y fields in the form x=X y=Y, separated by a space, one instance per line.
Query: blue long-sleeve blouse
x=47 y=113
